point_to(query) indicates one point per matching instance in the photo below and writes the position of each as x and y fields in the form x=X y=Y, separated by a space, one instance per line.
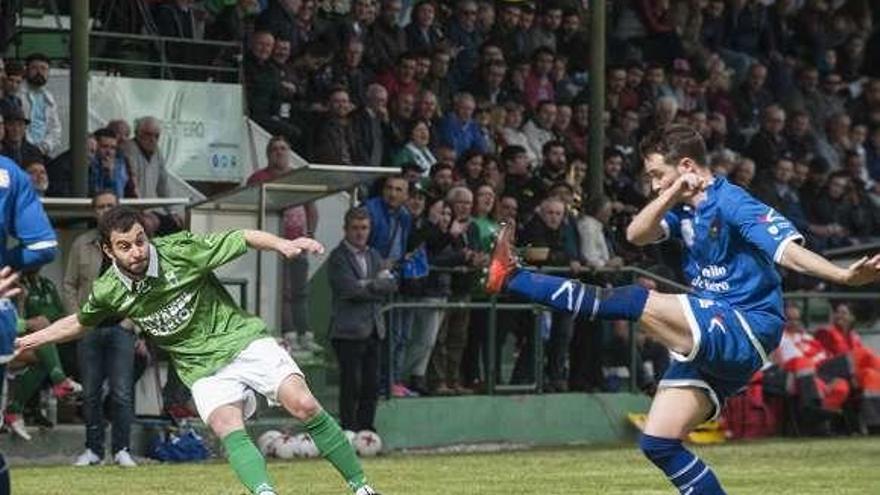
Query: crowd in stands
x=482 y=109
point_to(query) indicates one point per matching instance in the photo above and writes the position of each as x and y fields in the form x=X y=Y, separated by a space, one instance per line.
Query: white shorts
x=262 y=366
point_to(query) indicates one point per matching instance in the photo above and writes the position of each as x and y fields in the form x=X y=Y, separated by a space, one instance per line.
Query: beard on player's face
x=130 y=251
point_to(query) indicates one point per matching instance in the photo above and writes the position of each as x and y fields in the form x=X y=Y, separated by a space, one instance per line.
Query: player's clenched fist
x=688 y=185
x=295 y=247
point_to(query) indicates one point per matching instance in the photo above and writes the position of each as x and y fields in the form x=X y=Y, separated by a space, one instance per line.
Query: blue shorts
x=8 y=329
x=729 y=347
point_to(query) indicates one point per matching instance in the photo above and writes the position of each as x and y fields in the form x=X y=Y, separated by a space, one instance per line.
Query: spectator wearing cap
x=107 y=169
x=539 y=129
x=458 y=128
x=146 y=159
x=39 y=107
x=15 y=145
x=417 y=149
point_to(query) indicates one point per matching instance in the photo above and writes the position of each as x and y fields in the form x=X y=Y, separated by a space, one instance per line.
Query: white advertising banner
x=202 y=123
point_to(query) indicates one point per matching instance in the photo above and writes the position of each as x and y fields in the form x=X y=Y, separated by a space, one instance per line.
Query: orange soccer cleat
x=503 y=262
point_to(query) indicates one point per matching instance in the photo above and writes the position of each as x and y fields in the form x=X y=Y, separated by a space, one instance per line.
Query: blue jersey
x=733 y=242
x=24 y=219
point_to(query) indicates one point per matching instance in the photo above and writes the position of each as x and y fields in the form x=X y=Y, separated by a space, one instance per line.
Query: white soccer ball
x=266 y=442
x=306 y=446
x=367 y=443
x=286 y=447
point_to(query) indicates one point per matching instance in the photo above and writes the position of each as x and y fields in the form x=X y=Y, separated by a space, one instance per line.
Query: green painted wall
x=550 y=419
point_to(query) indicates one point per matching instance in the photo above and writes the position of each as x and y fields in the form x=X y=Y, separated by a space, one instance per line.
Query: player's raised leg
x=227 y=422
x=295 y=396
x=674 y=413
x=659 y=315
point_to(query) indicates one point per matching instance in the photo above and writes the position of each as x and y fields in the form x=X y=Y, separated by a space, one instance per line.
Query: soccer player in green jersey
x=222 y=353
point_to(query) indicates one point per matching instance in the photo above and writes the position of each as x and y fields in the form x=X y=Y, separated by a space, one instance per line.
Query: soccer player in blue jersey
x=721 y=332
x=21 y=217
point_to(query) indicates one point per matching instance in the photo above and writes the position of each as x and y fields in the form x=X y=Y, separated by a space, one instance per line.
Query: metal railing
x=492 y=385
x=139 y=53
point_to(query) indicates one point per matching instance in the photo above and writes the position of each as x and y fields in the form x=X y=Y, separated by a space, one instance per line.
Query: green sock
x=51 y=361
x=247 y=462
x=334 y=446
x=26 y=385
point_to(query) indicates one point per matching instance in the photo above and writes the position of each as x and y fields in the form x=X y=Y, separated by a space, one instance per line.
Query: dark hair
x=356 y=213
x=36 y=57
x=104 y=132
x=118 y=219
x=437 y=167
x=103 y=192
x=675 y=142
x=14 y=68
x=553 y=143
x=510 y=152
x=276 y=139
x=595 y=204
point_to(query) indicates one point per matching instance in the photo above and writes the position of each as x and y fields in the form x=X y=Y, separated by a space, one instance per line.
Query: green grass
x=799 y=467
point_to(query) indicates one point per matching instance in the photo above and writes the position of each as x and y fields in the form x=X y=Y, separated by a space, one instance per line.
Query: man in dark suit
x=359 y=284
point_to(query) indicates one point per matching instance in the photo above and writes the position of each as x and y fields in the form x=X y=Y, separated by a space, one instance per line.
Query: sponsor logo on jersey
x=717 y=321
x=770 y=217
x=709 y=285
x=714 y=271
x=4 y=178
x=169 y=319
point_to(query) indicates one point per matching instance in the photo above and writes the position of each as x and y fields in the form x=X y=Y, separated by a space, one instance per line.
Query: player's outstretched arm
x=802 y=260
x=264 y=241
x=67 y=328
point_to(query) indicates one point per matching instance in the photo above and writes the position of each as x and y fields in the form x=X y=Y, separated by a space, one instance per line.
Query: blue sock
x=4 y=476
x=572 y=296
x=685 y=470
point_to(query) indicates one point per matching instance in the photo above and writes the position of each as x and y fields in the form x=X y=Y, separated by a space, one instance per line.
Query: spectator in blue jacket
x=107 y=169
x=390 y=222
x=458 y=128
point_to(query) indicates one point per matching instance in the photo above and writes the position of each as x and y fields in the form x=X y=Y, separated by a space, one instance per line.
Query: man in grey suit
x=359 y=284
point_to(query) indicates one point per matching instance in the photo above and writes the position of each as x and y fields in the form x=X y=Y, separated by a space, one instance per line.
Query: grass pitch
x=801 y=467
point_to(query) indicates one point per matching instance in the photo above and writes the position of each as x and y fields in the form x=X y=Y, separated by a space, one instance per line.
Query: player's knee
x=658 y=448
x=304 y=407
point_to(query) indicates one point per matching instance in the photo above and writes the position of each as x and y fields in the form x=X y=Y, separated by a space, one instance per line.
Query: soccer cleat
x=87 y=458
x=124 y=459
x=65 y=388
x=503 y=261
x=15 y=424
x=366 y=490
